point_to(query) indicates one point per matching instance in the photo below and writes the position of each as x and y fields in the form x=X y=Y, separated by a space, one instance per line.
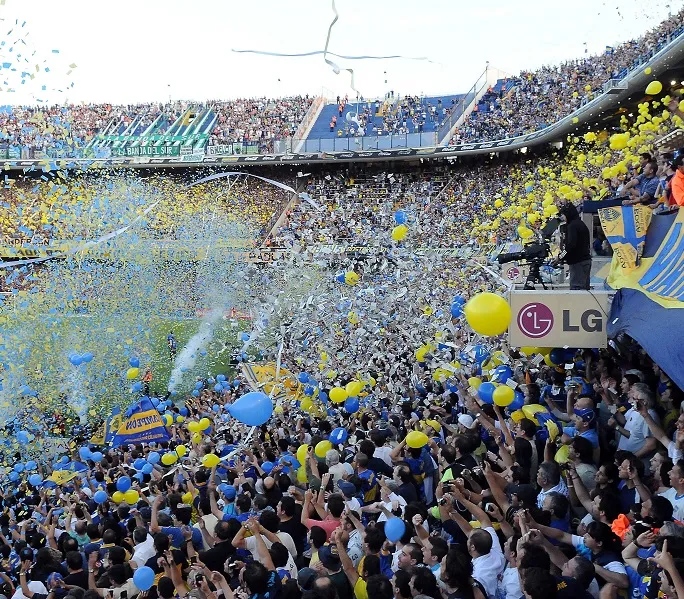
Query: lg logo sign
x=535 y=320
x=557 y=318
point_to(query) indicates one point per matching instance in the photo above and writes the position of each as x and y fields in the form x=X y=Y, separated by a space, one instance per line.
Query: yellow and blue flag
x=141 y=424
x=625 y=228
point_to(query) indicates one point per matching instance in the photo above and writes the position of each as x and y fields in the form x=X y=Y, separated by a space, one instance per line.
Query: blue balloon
x=557 y=355
x=216 y=407
x=31 y=465
x=184 y=411
x=22 y=437
x=84 y=453
x=339 y=435
x=517 y=403
x=144 y=578
x=400 y=217
x=221 y=377
x=137 y=386
x=195 y=393
x=303 y=377
x=394 y=529
x=147 y=469
x=87 y=357
x=323 y=396
x=13 y=476
x=252 y=409
x=218 y=387
x=19 y=467
x=267 y=467
x=457 y=310
x=100 y=497
x=96 y=456
x=502 y=374
x=529 y=188
x=339 y=277
x=153 y=457
x=139 y=463
x=123 y=484
x=290 y=460
x=236 y=384
x=35 y=479
x=75 y=359
x=199 y=385
x=64 y=459
x=486 y=392
x=309 y=390
x=244 y=337
x=351 y=405
x=134 y=362
x=481 y=353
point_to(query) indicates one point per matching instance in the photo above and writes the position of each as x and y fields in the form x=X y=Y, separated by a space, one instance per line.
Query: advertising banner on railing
x=146 y=151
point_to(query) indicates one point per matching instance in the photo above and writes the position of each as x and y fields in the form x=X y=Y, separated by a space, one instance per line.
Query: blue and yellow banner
x=625 y=228
x=660 y=273
x=109 y=428
x=141 y=424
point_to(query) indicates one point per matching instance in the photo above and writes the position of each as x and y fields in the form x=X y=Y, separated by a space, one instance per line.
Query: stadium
x=335 y=346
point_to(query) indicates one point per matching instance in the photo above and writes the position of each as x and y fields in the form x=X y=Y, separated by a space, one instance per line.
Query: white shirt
x=210 y=522
x=677 y=502
x=34 y=586
x=638 y=431
x=388 y=506
x=285 y=539
x=486 y=568
x=384 y=454
x=509 y=584
x=144 y=551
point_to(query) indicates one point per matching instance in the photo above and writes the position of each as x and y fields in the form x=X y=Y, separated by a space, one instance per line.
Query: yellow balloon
x=132 y=373
x=353 y=388
x=416 y=439
x=351 y=278
x=322 y=447
x=475 y=382
x=169 y=458
x=204 y=424
x=181 y=450
x=117 y=497
x=488 y=314
x=180 y=419
x=524 y=232
x=168 y=421
x=302 y=452
x=307 y=404
x=279 y=410
x=210 y=460
x=562 y=455
x=517 y=416
x=399 y=232
x=131 y=497
x=196 y=438
x=654 y=88
x=194 y=427
x=648 y=71
x=338 y=394
x=503 y=395
x=301 y=475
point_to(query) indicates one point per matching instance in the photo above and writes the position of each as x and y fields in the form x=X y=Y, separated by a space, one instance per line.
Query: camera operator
x=575 y=249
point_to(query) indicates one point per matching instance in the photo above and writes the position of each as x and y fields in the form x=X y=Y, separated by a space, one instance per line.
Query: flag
x=106 y=432
x=625 y=228
x=141 y=424
x=609 y=50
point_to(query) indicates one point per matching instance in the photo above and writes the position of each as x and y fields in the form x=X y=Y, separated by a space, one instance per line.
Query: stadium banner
x=220 y=150
x=665 y=274
x=141 y=424
x=197 y=157
x=559 y=318
x=625 y=229
x=129 y=151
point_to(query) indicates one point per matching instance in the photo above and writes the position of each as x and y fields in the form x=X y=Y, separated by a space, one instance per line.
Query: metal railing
x=367 y=142
x=460 y=108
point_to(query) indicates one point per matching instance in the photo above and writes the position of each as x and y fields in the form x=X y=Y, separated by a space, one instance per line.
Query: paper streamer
x=91 y=244
x=315 y=52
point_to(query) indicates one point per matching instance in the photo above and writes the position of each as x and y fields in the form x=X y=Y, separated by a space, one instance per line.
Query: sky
x=133 y=51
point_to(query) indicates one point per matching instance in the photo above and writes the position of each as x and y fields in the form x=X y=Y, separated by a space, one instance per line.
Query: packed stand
x=536 y=99
x=258 y=121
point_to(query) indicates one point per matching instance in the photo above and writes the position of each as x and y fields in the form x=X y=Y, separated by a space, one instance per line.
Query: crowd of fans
x=534 y=100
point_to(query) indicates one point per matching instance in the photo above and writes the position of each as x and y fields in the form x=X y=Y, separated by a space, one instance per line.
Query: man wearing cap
x=349 y=491
x=331 y=568
x=585 y=419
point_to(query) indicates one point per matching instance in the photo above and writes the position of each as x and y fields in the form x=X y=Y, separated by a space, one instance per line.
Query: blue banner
x=141 y=424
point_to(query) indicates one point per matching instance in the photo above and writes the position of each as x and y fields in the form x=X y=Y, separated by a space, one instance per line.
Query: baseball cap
x=227 y=490
x=586 y=414
x=306 y=577
x=53 y=579
x=329 y=557
x=466 y=420
x=346 y=488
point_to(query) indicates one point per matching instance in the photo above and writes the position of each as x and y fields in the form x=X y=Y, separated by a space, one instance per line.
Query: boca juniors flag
x=141 y=424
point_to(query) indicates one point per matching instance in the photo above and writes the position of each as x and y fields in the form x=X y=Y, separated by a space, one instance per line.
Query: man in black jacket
x=575 y=249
